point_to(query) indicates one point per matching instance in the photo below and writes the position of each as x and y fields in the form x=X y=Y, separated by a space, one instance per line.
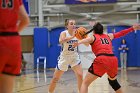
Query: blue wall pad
x=46 y=43
x=55 y=48
x=40 y=44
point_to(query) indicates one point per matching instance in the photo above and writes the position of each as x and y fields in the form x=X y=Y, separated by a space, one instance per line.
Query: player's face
x=71 y=25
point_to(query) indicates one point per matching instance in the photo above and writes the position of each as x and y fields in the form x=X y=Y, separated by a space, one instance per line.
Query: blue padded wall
x=42 y=48
x=133 y=42
x=40 y=44
x=138 y=47
x=50 y=49
x=55 y=48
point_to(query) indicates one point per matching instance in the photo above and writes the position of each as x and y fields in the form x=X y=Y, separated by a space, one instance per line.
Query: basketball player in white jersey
x=68 y=56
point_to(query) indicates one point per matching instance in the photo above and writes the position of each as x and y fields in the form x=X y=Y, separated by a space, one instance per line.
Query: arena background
x=47 y=17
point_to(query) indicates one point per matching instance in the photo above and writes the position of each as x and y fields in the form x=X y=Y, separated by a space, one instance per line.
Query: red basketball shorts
x=10 y=55
x=104 y=64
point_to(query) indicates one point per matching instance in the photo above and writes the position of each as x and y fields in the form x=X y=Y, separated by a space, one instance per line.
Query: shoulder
x=64 y=32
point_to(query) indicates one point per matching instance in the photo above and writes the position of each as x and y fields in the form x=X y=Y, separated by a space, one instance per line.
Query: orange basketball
x=80 y=32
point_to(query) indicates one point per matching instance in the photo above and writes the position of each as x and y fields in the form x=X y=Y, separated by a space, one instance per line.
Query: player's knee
x=79 y=74
x=114 y=84
x=86 y=83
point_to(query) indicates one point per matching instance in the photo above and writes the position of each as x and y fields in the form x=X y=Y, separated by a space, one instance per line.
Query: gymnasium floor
x=37 y=82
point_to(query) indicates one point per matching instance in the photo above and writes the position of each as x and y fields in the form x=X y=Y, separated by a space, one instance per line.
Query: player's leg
x=6 y=83
x=112 y=70
x=115 y=84
x=89 y=78
x=11 y=61
x=79 y=74
x=95 y=70
x=61 y=67
x=121 y=59
x=57 y=75
x=125 y=60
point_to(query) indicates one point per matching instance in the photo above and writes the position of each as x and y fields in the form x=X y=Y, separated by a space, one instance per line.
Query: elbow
x=27 y=22
x=61 y=41
x=23 y=23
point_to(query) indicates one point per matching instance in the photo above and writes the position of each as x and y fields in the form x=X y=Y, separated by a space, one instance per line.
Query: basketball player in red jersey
x=13 y=19
x=105 y=61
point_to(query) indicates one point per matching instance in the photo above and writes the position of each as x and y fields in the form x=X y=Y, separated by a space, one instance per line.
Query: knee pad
x=114 y=84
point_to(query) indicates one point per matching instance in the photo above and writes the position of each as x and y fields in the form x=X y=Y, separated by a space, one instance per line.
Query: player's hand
x=75 y=44
x=73 y=35
x=136 y=26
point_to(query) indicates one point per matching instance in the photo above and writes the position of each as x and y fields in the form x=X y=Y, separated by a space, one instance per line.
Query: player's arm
x=120 y=33
x=124 y=32
x=63 y=37
x=86 y=41
x=126 y=48
x=86 y=44
x=120 y=48
x=23 y=18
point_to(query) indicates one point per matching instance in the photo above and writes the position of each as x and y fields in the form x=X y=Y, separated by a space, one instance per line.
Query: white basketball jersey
x=67 y=47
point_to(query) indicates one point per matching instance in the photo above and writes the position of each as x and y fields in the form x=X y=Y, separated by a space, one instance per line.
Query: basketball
x=80 y=32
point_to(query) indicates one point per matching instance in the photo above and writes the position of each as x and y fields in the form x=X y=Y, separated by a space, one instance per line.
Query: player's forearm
x=86 y=44
x=23 y=24
x=120 y=48
x=126 y=49
x=83 y=41
x=66 y=39
x=123 y=32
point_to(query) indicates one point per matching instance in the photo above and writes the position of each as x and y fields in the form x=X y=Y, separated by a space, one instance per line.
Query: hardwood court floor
x=38 y=81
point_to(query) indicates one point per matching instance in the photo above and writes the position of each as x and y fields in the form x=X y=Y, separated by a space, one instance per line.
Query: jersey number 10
x=104 y=41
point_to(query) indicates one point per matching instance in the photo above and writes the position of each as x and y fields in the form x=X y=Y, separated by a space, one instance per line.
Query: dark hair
x=97 y=28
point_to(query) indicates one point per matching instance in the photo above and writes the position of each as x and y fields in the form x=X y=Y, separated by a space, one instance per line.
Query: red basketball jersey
x=9 y=10
x=102 y=44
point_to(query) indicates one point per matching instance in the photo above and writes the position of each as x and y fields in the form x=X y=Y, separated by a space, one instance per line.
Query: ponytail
x=89 y=31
